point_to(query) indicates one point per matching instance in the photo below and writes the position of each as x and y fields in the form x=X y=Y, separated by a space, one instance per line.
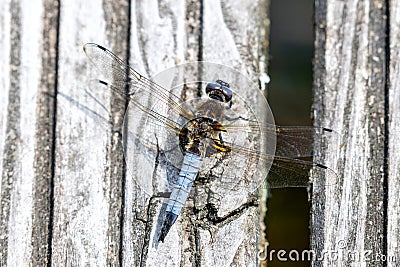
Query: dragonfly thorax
x=202 y=134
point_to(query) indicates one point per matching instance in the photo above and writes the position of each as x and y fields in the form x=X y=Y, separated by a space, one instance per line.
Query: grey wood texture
x=66 y=198
x=355 y=222
x=393 y=105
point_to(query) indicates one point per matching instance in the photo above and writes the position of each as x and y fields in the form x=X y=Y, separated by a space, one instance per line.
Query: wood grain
x=24 y=205
x=88 y=160
x=393 y=202
x=349 y=88
x=188 y=244
x=67 y=198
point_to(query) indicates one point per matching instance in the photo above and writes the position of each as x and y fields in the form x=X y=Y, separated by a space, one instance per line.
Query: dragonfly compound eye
x=219 y=90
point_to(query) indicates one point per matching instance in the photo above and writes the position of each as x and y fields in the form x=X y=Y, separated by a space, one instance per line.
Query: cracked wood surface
x=66 y=199
x=357 y=95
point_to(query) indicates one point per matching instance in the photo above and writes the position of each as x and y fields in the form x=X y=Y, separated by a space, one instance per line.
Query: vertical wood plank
x=158 y=41
x=5 y=27
x=45 y=138
x=349 y=86
x=89 y=166
x=235 y=34
x=80 y=207
x=175 y=32
x=118 y=30
x=11 y=158
x=23 y=127
x=393 y=213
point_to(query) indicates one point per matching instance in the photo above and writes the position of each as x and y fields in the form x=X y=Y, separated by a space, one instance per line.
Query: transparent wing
x=127 y=82
x=288 y=172
x=297 y=173
x=152 y=109
x=298 y=141
x=291 y=141
x=249 y=170
x=153 y=113
x=290 y=164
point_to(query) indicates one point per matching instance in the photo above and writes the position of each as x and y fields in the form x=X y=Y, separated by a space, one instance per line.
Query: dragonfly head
x=219 y=90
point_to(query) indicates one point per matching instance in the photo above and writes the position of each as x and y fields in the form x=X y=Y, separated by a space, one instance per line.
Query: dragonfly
x=207 y=136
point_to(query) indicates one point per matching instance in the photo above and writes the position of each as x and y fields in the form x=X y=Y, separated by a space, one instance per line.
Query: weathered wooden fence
x=65 y=197
x=356 y=92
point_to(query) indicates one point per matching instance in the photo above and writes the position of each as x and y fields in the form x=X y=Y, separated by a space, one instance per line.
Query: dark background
x=290 y=98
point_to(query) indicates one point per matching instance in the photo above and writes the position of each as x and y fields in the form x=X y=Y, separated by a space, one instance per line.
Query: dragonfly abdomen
x=190 y=168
